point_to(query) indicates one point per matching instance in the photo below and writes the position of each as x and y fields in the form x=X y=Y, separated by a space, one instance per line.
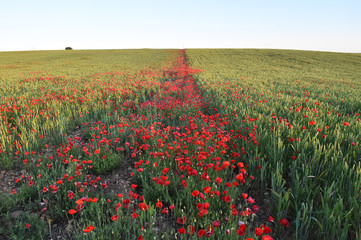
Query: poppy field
x=180 y=144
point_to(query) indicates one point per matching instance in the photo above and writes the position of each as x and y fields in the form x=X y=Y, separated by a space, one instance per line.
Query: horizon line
x=143 y=48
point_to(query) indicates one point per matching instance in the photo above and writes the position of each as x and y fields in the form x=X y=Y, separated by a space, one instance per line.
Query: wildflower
x=89 y=228
x=216 y=223
x=240 y=232
x=258 y=231
x=165 y=171
x=195 y=193
x=201 y=233
x=181 y=220
x=165 y=211
x=143 y=206
x=267 y=230
x=250 y=200
x=190 y=230
x=159 y=204
x=72 y=211
x=207 y=189
x=285 y=222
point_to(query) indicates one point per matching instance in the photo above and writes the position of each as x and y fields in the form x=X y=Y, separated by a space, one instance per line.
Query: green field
x=169 y=144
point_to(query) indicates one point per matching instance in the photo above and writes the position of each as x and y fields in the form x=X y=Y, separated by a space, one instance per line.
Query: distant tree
x=68 y=48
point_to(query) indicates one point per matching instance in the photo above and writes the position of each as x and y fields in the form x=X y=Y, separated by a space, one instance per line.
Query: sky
x=116 y=24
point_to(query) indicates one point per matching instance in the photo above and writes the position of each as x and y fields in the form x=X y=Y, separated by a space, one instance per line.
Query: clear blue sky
x=115 y=24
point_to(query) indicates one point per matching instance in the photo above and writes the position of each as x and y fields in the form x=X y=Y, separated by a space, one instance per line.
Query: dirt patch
x=8 y=178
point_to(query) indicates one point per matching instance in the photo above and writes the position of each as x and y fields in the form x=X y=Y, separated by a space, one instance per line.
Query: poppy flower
x=201 y=233
x=250 y=200
x=216 y=223
x=195 y=193
x=285 y=222
x=267 y=230
x=218 y=180
x=207 y=189
x=190 y=230
x=89 y=228
x=270 y=219
x=165 y=171
x=143 y=206
x=240 y=232
x=72 y=211
x=181 y=220
x=165 y=211
x=258 y=231
x=159 y=204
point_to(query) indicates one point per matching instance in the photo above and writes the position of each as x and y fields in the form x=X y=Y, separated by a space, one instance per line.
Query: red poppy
x=207 y=189
x=285 y=222
x=258 y=231
x=181 y=220
x=195 y=193
x=240 y=232
x=159 y=204
x=267 y=230
x=89 y=228
x=201 y=233
x=312 y=122
x=165 y=171
x=218 y=180
x=165 y=211
x=270 y=219
x=243 y=227
x=143 y=206
x=216 y=223
x=250 y=200
x=72 y=211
